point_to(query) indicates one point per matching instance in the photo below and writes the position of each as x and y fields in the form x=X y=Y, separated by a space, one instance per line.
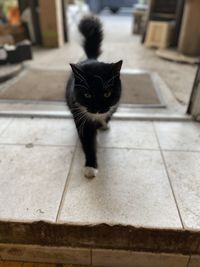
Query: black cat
x=93 y=91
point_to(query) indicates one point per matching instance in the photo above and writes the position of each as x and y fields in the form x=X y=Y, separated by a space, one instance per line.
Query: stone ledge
x=101 y=236
x=44 y=254
x=89 y=257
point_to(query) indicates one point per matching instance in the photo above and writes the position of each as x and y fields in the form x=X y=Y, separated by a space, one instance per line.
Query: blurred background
x=158 y=36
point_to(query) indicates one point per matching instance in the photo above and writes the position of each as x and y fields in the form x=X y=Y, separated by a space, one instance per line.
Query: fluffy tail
x=91 y=28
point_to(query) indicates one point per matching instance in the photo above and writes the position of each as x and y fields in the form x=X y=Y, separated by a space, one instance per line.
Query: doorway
x=165 y=77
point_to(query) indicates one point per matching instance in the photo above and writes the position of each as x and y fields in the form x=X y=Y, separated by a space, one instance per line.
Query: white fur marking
x=100 y=117
x=90 y=172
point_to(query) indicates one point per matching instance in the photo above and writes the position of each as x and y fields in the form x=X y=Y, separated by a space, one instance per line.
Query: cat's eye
x=87 y=95
x=107 y=94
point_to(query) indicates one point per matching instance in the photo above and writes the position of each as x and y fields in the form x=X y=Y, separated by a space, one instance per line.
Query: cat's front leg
x=87 y=134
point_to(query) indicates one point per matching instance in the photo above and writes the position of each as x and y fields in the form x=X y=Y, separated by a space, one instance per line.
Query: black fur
x=93 y=90
x=91 y=29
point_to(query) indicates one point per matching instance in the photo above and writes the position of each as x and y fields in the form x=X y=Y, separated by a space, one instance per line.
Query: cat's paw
x=90 y=172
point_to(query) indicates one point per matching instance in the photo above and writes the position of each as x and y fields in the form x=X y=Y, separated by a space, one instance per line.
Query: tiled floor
x=32 y=181
x=176 y=136
x=40 y=132
x=138 y=183
x=120 y=194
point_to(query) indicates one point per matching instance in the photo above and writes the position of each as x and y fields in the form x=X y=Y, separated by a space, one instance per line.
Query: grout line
x=150 y=149
x=35 y=145
x=187 y=264
x=129 y=148
x=66 y=182
x=170 y=182
x=101 y=147
x=63 y=145
x=181 y=150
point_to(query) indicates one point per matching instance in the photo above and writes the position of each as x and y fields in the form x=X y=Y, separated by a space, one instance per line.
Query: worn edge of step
x=178 y=241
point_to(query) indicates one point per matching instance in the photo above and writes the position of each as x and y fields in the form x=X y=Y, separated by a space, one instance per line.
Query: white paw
x=90 y=172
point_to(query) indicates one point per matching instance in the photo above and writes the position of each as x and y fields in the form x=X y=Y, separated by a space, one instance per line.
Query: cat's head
x=97 y=85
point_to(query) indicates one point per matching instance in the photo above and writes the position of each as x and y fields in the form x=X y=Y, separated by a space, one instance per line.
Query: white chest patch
x=100 y=117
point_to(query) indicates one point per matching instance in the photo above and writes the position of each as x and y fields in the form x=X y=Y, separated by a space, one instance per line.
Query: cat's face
x=97 y=85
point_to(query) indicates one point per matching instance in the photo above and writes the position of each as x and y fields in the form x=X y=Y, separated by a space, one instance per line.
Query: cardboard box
x=18 y=33
x=51 y=23
x=6 y=39
x=159 y=34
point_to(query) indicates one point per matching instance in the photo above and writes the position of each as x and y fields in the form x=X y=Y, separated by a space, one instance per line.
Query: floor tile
x=4 y=122
x=184 y=172
x=40 y=131
x=32 y=253
x=194 y=261
x=179 y=135
x=131 y=188
x=32 y=181
x=114 y=258
x=129 y=134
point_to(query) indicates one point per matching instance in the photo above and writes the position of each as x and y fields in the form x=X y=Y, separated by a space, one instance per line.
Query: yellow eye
x=107 y=94
x=86 y=95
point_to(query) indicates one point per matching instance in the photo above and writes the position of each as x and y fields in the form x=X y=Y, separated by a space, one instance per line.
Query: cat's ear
x=78 y=74
x=76 y=70
x=117 y=66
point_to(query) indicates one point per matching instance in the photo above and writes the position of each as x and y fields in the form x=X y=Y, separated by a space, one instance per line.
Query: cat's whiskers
x=82 y=125
x=80 y=115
